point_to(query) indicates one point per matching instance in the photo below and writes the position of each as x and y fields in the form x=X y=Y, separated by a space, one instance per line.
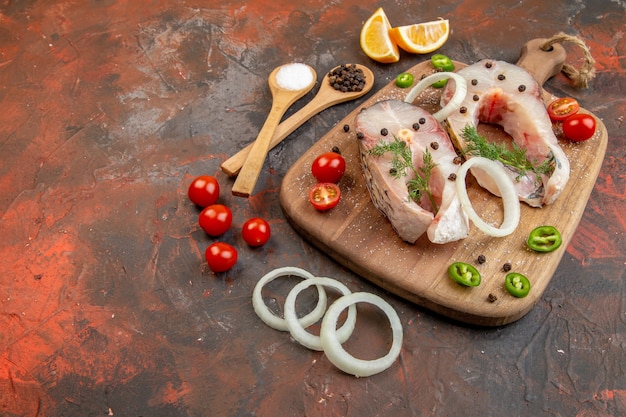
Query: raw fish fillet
x=389 y=194
x=505 y=94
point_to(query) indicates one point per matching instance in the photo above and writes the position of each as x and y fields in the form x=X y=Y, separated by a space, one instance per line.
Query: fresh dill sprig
x=402 y=161
x=515 y=157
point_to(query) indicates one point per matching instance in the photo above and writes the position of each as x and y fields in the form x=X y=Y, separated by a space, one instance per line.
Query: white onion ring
x=273 y=320
x=507 y=192
x=296 y=329
x=459 y=93
x=338 y=355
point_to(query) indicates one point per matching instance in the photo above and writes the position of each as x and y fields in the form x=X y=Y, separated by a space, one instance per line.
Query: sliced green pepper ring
x=404 y=80
x=544 y=239
x=464 y=274
x=441 y=63
x=439 y=84
x=517 y=284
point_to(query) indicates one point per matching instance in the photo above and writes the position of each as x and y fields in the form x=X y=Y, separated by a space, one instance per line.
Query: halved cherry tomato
x=328 y=167
x=324 y=195
x=579 y=127
x=215 y=219
x=204 y=190
x=561 y=108
x=221 y=256
x=256 y=231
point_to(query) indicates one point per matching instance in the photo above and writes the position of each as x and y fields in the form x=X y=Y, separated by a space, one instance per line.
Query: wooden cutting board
x=358 y=236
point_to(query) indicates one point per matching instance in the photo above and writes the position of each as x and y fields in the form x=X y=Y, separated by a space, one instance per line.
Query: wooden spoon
x=282 y=98
x=326 y=97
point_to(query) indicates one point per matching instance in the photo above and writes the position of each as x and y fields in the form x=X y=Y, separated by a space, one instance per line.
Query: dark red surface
x=110 y=108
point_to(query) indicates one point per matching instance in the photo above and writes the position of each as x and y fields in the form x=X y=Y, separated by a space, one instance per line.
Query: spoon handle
x=233 y=165
x=246 y=180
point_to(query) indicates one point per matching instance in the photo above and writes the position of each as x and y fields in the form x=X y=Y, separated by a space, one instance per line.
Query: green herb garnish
x=402 y=161
x=515 y=157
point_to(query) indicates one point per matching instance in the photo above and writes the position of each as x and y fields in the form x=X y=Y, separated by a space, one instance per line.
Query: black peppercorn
x=384 y=131
x=360 y=135
x=521 y=88
x=476 y=97
x=336 y=150
x=488 y=64
x=457 y=160
x=422 y=120
x=346 y=128
x=481 y=259
x=452 y=177
x=416 y=126
x=501 y=77
x=474 y=81
x=463 y=109
x=506 y=267
x=492 y=298
x=434 y=145
x=347 y=78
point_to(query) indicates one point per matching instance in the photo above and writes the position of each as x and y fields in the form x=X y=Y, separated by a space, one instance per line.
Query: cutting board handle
x=541 y=63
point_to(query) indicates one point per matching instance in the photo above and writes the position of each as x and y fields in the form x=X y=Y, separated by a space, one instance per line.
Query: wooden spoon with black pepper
x=326 y=97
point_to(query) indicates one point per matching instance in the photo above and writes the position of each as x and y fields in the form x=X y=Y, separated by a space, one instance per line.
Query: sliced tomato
x=324 y=195
x=579 y=127
x=561 y=108
x=328 y=167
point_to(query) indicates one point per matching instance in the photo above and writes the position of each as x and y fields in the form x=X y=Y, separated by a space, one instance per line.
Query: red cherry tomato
x=328 y=167
x=324 y=195
x=204 y=190
x=215 y=219
x=220 y=256
x=256 y=231
x=561 y=108
x=579 y=127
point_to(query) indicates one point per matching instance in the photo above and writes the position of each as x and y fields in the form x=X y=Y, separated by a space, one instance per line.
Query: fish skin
x=522 y=114
x=390 y=195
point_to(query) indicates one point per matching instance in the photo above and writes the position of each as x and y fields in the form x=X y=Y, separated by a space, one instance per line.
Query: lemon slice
x=421 y=38
x=375 y=40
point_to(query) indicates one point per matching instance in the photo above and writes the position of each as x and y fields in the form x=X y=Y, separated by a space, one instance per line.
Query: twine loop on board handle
x=587 y=72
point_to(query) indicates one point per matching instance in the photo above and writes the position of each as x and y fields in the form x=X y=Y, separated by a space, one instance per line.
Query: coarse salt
x=294 y=76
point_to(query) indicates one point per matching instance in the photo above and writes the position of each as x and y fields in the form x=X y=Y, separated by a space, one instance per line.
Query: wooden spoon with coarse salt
x=287 y=83
x=326 y=97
